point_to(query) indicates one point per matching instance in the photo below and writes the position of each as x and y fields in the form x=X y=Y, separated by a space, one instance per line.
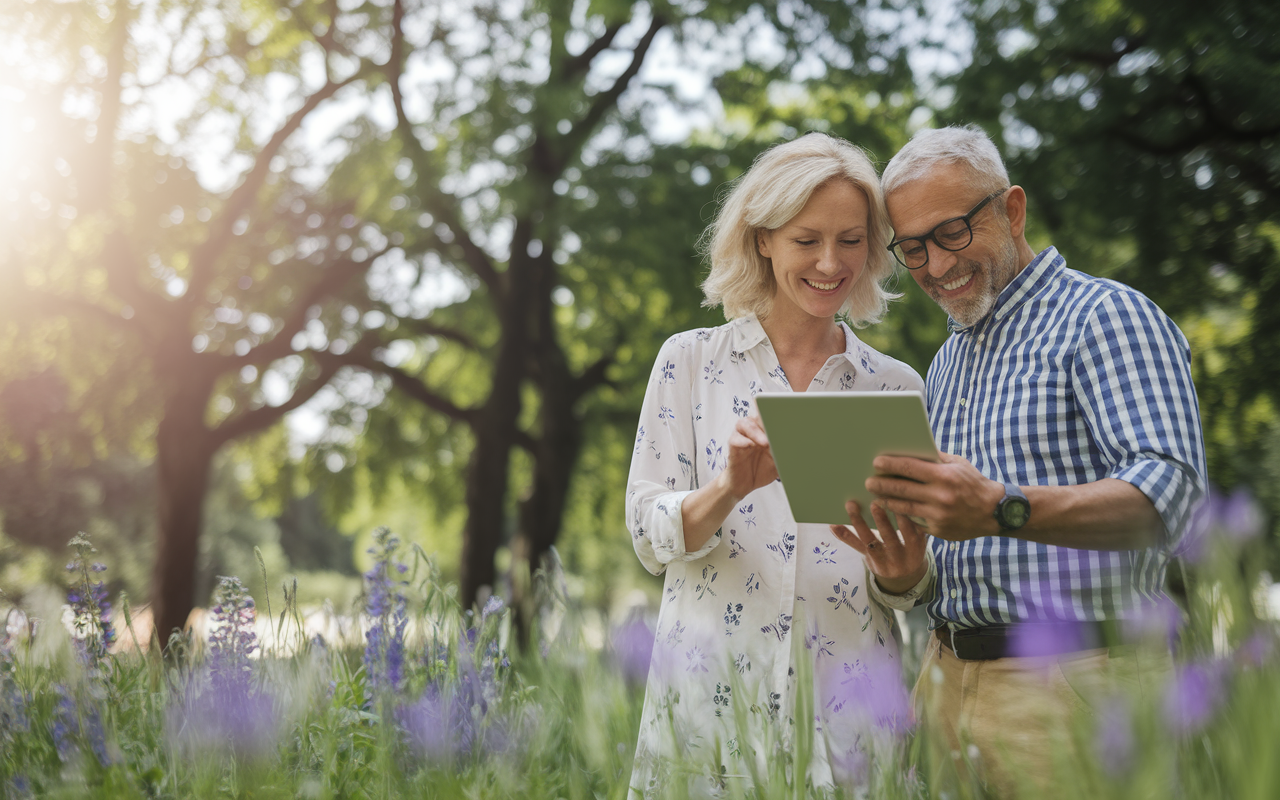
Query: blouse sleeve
x=662 y=464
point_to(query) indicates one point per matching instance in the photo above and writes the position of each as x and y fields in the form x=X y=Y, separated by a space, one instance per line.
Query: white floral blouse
x=724 y=669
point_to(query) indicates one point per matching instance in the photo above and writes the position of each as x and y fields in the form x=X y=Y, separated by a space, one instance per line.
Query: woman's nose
x=829 y=260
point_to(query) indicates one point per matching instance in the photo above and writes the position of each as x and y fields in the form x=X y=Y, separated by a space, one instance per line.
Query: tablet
x=823 y=444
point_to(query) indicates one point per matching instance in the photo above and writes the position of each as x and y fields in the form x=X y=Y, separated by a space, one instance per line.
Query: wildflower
x=1193 y=696
x=386 y=606
x=1031 y=639
x=90 y=609
x=1113 y=741
x=229 y=711
x=232 y=639
x=632 y=646
x=873 y=691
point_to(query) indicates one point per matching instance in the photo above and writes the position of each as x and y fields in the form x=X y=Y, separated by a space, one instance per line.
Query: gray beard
x=992 y=276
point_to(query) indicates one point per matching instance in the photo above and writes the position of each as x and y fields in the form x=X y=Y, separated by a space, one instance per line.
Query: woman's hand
x=895 y=558
x=750 y=462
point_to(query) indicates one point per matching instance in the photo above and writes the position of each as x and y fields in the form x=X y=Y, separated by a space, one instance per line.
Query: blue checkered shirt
x=1070 y=379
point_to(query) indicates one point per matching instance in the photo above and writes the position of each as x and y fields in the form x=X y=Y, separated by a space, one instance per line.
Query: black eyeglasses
x=952 y=235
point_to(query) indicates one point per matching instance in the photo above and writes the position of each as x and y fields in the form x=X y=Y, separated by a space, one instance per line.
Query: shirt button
x=982 y=337
x=961 y=401
x=953 y=594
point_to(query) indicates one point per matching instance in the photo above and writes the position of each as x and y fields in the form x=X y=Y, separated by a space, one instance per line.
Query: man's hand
x=895 y=558
x=750 y=462
x=952 y=500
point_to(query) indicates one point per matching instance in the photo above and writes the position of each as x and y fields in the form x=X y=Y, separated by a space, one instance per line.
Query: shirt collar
x=748 y=332
x=1042 y=269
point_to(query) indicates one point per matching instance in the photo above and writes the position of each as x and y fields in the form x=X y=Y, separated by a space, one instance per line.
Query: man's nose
x=940 y=261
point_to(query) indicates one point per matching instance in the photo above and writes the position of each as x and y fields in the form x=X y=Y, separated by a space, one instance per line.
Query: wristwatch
x=1013 y=510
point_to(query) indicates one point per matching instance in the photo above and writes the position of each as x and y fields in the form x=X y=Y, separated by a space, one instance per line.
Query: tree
x=541 y=188
x=150 y=311
x=1150 y=155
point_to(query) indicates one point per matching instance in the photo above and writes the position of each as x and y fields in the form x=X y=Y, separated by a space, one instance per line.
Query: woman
x=799 y=239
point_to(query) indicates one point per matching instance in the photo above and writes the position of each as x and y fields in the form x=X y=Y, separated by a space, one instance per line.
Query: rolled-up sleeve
x=663 y=470
x=1132 y=379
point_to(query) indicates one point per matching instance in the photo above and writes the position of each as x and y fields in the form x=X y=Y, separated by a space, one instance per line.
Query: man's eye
x=912 y=248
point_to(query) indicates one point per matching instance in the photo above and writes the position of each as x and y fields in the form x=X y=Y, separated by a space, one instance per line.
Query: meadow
x=419 y=697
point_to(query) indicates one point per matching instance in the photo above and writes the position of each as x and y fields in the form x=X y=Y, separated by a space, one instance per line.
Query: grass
x=437 y=702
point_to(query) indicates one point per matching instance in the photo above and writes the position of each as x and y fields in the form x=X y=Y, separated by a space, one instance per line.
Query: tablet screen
x=823 y=444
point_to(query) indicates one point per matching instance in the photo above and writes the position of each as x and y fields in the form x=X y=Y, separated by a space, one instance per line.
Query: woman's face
x=819 y=254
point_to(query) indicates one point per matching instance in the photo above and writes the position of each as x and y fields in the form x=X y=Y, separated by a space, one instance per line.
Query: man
x=1073 y=456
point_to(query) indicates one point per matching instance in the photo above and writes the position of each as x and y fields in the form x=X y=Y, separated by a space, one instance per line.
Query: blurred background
x=275 y=273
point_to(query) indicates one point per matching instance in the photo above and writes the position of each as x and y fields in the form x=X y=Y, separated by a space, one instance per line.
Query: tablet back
x=824 y=443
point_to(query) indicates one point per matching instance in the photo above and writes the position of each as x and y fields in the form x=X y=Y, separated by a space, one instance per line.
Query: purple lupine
x=1236 y=518
x=1194 y=695
x=232 y=640
x=1257 y=650
x=1031 y=639
x=873 y=689
x=1157 y=622
x=229 y=711
x=65 y=724
x=1113 y=740
x=388 y=612
x=632 y=645
x=91 y=611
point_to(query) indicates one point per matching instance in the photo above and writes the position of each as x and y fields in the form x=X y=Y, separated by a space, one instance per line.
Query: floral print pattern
x=731 y=608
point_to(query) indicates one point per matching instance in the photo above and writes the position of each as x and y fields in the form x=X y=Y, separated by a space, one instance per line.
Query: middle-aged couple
x=1072 y=458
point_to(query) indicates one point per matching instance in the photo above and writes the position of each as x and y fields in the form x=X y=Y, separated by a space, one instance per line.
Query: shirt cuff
x=671 y=546
x=1170 y=489
x=908 y=599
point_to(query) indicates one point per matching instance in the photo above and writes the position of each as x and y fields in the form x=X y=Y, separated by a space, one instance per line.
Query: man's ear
x=762 y=243
x=1015 y=204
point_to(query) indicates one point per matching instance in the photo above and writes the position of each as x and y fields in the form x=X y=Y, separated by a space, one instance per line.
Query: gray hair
x=767 y=197
x=968 y=147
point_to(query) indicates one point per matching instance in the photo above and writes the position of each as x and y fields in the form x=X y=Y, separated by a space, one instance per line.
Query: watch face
x=1014 y=512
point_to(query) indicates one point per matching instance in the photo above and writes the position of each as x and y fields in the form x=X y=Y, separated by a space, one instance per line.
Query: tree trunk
x=495 y=429
x=185 y=454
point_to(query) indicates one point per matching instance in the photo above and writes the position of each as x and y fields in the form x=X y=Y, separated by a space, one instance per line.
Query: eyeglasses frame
x=926 y=238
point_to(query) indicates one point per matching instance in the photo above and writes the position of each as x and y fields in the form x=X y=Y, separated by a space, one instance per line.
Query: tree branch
x=579 y=64
x=264 y=417
x=411 y=386
x=605 y=101
x=425 y=327
x=220 y=227
x=333 y=279
x=441 y=204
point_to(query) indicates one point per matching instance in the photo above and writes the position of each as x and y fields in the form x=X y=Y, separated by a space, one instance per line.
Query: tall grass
x=433 y=700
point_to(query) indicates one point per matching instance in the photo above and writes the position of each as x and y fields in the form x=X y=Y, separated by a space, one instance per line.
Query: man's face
x=965 y=283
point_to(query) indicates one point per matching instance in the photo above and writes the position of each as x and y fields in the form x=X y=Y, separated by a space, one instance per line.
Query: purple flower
x=1113 y=740
x=240 y=719
x=91 y=611
x=632 y=645
x=1234 y=519
x=1194 y=695
x=1031 y=639
x=1157 y=622
x=1257 y=650
x=232 y=640
x=386 y=606
x=492 y=606
x=873 y=689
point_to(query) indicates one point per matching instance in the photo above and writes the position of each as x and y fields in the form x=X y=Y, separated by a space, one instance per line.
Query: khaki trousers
x=1007 y=725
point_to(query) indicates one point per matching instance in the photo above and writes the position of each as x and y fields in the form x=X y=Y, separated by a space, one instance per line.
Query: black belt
x=990 y=642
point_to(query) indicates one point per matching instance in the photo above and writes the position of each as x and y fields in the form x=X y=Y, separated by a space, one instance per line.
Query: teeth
x=822 y=287
x=957 y=283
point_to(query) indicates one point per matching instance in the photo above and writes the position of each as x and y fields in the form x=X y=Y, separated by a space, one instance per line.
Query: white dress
x=722 y=680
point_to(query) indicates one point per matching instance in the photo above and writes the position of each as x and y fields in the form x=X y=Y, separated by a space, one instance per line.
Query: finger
x=914 y=541
x=897 y=487
x=903 y=508
x=860 y=527
x=847 y=536
x=752 y=429
x=914 y=468
x=888 y=534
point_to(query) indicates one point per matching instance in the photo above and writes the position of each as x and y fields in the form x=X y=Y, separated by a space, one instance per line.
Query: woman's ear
x=762 y=243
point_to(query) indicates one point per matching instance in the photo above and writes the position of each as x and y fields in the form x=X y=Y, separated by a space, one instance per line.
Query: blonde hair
x=767 y=197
